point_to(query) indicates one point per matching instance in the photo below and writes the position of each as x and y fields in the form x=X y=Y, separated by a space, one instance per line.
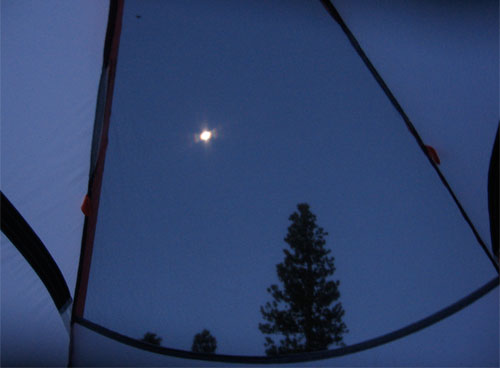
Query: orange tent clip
x=433 y=154
x=86 y=205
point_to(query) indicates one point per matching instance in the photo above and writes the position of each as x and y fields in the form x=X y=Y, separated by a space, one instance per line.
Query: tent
x=117 y=221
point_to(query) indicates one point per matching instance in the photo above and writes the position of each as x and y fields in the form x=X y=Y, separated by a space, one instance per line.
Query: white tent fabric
x=51 y=63
x=32 y=332
x=51 y=58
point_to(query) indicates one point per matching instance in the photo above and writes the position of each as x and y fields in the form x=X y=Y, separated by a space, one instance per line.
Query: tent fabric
x=51 y=61
x=32 y=332
x=48 y=116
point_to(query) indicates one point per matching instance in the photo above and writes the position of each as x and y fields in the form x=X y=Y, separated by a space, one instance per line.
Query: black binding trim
x=493 y=188
x=20 y=233
x=110 y=31
x=300 y=357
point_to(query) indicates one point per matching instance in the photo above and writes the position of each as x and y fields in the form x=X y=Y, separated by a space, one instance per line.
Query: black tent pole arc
x=306 y=356
x=31 y=247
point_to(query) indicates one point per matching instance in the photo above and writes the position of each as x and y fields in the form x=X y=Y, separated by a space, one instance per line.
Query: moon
x=205 y=135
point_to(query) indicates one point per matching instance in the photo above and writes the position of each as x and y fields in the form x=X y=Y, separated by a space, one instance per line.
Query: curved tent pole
x=31 y=247
x=428 y=151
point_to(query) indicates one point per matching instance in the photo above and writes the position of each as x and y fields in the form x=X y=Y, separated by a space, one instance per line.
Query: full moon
x=205 y=135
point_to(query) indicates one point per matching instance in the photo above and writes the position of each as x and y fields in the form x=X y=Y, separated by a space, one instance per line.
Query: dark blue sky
x=189 y=232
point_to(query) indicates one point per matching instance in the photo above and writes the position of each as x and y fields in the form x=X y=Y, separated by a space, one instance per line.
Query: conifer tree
x=204 y=342
x=302 y=311
x=151 y=338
